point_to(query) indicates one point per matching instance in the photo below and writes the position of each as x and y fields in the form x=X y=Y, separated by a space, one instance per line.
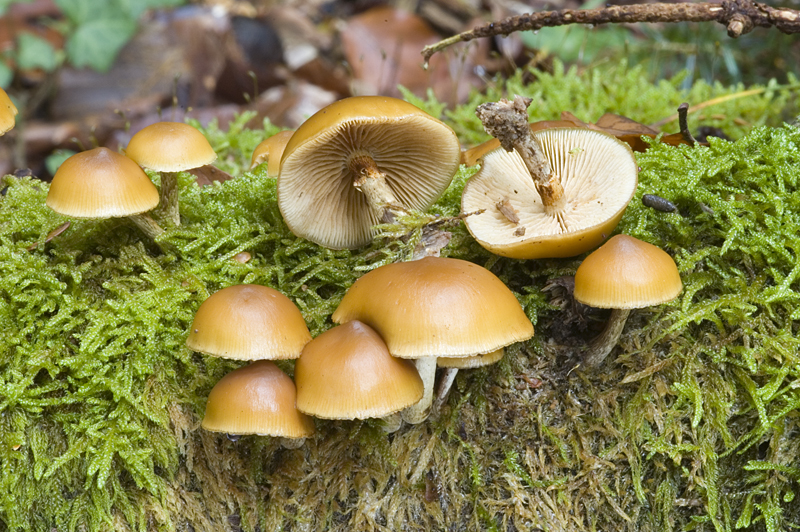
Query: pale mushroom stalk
x=146 y=223
x=600 y=347
x=169 y=197
x=292 y=443
x=508 y=122
x=445 y=384
x=417 y=413
x=371 y=181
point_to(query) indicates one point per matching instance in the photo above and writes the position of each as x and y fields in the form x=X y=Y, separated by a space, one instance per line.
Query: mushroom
x=598 y=174
x=623 y=274
x=270 y=151
x=8 y=113
x=357 y=163
x=435 y=307
x=348 y=373
x=169 y=148
x=99 y=184
x=257 y=399
x=249 y=322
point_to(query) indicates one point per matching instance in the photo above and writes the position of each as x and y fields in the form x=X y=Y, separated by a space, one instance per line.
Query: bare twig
x=739 y=16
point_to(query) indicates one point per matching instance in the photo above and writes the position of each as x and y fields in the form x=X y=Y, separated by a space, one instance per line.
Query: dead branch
x=739 y=16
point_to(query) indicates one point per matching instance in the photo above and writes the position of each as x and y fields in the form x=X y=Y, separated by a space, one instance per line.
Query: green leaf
x=6 y=75
x=83 y=11
x=95 y=44
x=35 y=52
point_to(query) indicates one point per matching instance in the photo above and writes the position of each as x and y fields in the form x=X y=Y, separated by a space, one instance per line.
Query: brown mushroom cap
x=599 y=176
x=170 y=147
x=418 y=154
x=270 y=151
x=348 y=373
x=100 y=183
x=626 y=273
x=8 y=112
x=436 y=307
x=256 y=399
x=249 y=322
x=477 y=361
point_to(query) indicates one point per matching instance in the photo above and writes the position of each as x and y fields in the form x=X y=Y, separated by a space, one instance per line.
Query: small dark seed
x=658 y=203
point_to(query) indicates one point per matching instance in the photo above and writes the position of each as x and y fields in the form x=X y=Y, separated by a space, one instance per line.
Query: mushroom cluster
x=253 y=322
x=560 y=192
x=436 y=308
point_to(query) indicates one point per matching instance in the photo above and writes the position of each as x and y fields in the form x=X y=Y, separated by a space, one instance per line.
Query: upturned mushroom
x=562 y=198
x=249 y=322
x=100 y=184
x=359 y=162
x=8 y=113
x=257 y=399
x=169 y=148
x=348 y=373
x=623 y=274
x=435 y=307
x=270 y=151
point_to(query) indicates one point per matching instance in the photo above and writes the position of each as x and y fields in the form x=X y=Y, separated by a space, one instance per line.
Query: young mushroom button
x=357 y=163
x=249 y=322
x=348 y=373
x=256 y=399
x=435 y=307
x=623 y=274
x=100 y=184
x=598 y=175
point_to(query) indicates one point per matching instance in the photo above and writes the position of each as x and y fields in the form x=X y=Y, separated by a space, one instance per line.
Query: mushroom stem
x=371 y=181
x=508 y=122
x=292 y=443
x=446 y=382
x=601 y=346
x=169 y=197
x=416 y=414
x=392 y=422
x=146 y=224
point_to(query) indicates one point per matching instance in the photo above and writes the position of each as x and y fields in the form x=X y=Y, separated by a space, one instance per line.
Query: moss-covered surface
x=693 y=424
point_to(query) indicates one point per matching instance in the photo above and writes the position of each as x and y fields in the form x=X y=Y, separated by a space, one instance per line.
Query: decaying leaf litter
x=692 y=427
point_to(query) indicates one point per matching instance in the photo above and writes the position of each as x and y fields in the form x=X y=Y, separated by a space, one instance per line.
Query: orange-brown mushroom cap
x=348 y=373
x=249 y=322
x=598 y=173
x=256 y=399
x=626 y=273
x=8 y=113
x=417 y=153
x=101 y=183
x=270 y=151
x=170 y=147
x=436 y=307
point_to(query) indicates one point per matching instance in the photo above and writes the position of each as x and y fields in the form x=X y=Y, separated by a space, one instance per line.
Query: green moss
x=693 y=426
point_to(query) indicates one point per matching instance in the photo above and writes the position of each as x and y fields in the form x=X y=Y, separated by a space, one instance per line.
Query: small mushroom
x=270 y=151
x=597 y=172
x=169 y=148
x=348 y=373
x=623 y=274
x=435 y=307
x=8 y=113
x=249 y=322
x=100 y=184
x=257 y=399
x=357 y=163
